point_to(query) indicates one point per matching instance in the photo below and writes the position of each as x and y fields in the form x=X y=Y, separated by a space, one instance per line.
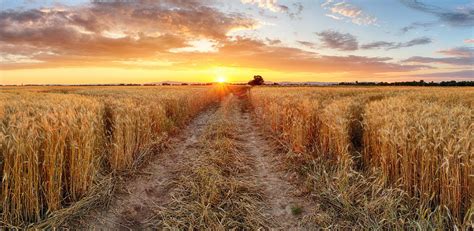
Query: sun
x=221 y=79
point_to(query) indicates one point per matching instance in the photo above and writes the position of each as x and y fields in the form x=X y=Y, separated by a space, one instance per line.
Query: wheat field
x=418 y=140
x=56 y=145
x=376 y=157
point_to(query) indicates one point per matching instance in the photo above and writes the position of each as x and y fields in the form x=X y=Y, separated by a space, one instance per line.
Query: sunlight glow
x=221 y=79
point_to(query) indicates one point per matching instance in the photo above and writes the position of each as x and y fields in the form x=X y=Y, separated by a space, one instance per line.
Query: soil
x=131 y=207
x=286 y=204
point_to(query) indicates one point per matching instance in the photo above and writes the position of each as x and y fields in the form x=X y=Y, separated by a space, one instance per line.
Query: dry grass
x=213 y=193
x=416 y=139
x=347 y=199
x=58 y=148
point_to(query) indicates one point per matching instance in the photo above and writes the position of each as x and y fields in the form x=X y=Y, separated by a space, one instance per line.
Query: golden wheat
x=419 y=139
x=57 y=143
x=424 y=146
x=54 y=147
x=49 y=153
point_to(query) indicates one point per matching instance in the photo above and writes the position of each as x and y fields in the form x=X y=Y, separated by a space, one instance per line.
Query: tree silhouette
x=257 y=80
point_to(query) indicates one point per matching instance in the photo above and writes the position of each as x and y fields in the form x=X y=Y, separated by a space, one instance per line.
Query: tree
x=257 y=80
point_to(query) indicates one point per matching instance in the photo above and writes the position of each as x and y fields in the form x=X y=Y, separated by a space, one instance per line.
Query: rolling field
x=230 y=157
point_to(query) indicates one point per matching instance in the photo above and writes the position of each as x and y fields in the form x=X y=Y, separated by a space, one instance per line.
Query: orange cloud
x=250 y=53
x=160 y=35
x=112 y=31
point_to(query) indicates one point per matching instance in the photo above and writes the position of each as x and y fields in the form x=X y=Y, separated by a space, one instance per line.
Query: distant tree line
x=412 y=83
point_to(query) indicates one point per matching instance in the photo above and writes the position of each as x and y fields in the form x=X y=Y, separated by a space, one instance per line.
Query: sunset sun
x=221 y=79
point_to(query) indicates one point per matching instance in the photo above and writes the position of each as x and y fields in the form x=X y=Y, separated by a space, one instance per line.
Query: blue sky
x=396 y=39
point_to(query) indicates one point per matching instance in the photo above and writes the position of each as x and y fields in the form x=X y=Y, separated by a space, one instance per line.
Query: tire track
x=286 y=206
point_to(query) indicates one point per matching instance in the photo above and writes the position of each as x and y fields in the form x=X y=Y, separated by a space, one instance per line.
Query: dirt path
x=132 y=207
x=286 y=206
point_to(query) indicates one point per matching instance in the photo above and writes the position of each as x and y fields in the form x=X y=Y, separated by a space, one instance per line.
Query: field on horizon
x=237 y=157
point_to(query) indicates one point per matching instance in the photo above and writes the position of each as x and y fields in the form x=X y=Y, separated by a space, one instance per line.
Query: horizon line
x=180 y=83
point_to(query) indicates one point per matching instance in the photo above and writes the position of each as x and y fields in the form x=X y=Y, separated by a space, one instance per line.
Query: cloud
x=342 y=10
x=307 y=44
x=417 y=25
x=393 y=45
x=245 y=52
x=298 y=8
x=340 y=41
x=460 y=17
x=458 y=56
x=273 y=41
x=414 y=42
x=459 y=52
x=165 y=34
x=469 y=41
x=378 y=45
x=464 y=74
x=334 y=17
x=6 y=58
x=202 y=45
x=274 y=6
x=111 y=31
x=271 y=5
x=458 y=61
x=348 y=42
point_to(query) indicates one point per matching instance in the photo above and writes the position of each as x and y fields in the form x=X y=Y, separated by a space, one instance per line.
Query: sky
x=146 y=41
